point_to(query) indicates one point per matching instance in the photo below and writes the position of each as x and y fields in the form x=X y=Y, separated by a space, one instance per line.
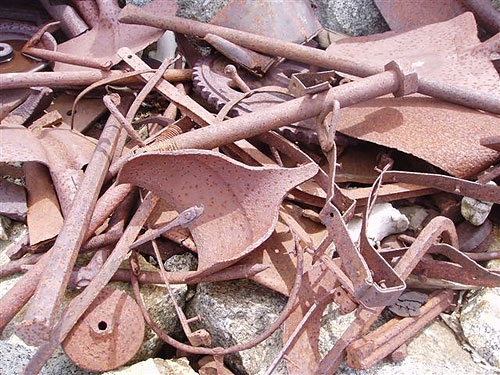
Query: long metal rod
x=275 y=47
x=45 y=304
x=78 y=78
x=295 y=110
x=79 y=304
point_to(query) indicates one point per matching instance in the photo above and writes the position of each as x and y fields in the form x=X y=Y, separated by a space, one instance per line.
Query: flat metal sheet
x=407 y=15
x=442 y=52
x=443 y=134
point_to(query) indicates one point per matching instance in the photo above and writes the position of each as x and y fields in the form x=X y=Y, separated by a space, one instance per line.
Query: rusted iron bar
x=372 y=348
x=16 y=266
x=110 y=237
x=487 y=193
x=231 y=273
x=66 y=58
x=486 y=14
x=153 y=277
x=79 y=304
x=111 y=105
x=71 y=23
x=182 y=101
x=107 y=204
x=290 y=305
x=115 y=230
x=308 y=55
x=84 y=275
x=44 y=306
x=254 y=123
x=437 y=227
x=78 y=78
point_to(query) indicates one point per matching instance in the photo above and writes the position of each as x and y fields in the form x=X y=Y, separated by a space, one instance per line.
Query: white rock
x=165 y=47
x=474 y=210
x=383 y=221
x=415 y=215
x=156 y=366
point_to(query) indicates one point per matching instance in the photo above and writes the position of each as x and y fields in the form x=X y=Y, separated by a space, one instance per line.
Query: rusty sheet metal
x=108 y=335
x=89 y=110
x=12 y=200
x=62 y=150
x=293 y=21
x=407 y=15
x=428 y=83
x=240 y=202
x=447 y=59
x=44 y=216
x=103 y=41
x=276 y=252
x=437 y=132
x=10 y=99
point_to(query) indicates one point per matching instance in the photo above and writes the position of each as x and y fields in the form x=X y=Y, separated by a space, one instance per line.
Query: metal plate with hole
x=109 y=334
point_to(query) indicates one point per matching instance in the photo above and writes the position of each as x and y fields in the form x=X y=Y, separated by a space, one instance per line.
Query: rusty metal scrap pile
x=275 y=129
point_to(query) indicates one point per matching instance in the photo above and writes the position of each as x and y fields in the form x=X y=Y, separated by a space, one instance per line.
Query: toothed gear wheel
x=210 y=82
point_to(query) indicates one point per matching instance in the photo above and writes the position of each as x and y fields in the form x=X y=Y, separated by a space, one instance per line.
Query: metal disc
x=109 y=334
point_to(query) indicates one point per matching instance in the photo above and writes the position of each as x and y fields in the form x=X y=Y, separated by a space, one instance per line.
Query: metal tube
x=286 y=113
x=71 y=23
x=77 y=78
x=375 y=346
x=45 y=304
x=275 y=47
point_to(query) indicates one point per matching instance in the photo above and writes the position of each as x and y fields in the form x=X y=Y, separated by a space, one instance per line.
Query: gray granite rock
x=201 y=10
x=234 y=312
x=435 y=351
x=14 y=357
x=480 y=317
x=480 y=321
x=181 y=263
x=352 y=17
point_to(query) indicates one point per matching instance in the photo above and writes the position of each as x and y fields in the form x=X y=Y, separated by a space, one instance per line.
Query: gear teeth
x=210 y=83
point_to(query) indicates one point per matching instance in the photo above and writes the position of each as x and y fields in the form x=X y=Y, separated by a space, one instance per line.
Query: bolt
x=231 y=72
x=6 y=53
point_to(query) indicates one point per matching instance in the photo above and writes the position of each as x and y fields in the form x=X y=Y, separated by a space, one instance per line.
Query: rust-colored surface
x=447 y=59
x=62 y=150
x=44 y=214
x=443 y=136
x=108 y=335
x=408 y=15
x=293 y=21
x=108 y=36
x=15 y=34
x=228 y=204
x=444 y=81
x=12 y=200
x=240 y=202
x=375 y=346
